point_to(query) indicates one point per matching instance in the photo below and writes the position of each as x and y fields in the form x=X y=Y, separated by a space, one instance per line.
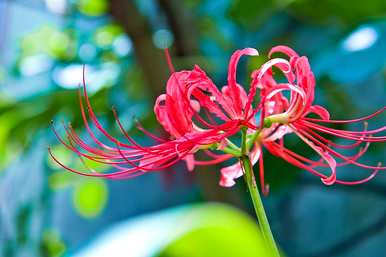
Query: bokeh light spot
x=360 y=39
x=90 y=197
x=163 y=38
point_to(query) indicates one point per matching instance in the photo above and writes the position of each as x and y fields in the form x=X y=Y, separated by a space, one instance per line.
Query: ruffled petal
x=232 y=83
x=283 y=49
x=189 y=159
x=320 y=111
x=230 y=173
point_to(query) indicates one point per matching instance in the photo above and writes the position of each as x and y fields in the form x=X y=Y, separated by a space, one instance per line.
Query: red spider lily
x=193 y=111
x=198 y=116
x=290 y=115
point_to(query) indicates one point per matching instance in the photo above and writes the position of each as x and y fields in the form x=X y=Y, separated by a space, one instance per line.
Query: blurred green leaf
x=217 y=231
x=195 y=230
x=90 y=197
x=9 y=120
x=61 y=45
x=62 y=179
x=52 y=245
x=93 y=7
x=251 y=14
x=58 y=44
x=192 y=3
x=22 y=224
x=345 y=11
x=104 y=36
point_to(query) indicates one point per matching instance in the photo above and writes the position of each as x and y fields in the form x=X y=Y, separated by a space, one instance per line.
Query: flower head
x=199 y=116
x=196 y=114
x=290 y=114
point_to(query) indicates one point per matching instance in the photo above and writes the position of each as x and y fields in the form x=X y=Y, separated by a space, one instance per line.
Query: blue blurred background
x=46 y=211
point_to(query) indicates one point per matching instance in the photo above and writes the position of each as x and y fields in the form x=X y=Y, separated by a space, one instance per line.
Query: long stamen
x=264 y=187
x=169 y=60
x=335 y=153
x=349 y=121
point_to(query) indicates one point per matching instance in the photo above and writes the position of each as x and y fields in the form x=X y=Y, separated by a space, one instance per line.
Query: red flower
x=283 y=115
x=198 y=116
x=193 y=111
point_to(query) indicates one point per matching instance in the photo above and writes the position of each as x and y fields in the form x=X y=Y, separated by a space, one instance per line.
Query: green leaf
x=344 y=11
x=198 y=230
x=51 y=244
x=251 y=15
x=217 y=231
x=90 y=197
x=93 y=7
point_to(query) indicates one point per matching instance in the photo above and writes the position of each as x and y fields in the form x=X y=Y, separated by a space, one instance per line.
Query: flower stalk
x=255 y=196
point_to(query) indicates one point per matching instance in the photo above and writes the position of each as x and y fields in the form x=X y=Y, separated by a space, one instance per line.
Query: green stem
x=256 y=199
x=231 y=151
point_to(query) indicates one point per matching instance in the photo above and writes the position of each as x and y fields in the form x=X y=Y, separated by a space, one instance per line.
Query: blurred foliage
x=61 y=179
x=93 y=7
x=191 y=230
x=52 y=245
x=345 y=11
x=250 y=14
x=22 y=220
x=218 y=231
x=48 y=40
x=105 y=36
x=90 y=197
x=20 y=120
